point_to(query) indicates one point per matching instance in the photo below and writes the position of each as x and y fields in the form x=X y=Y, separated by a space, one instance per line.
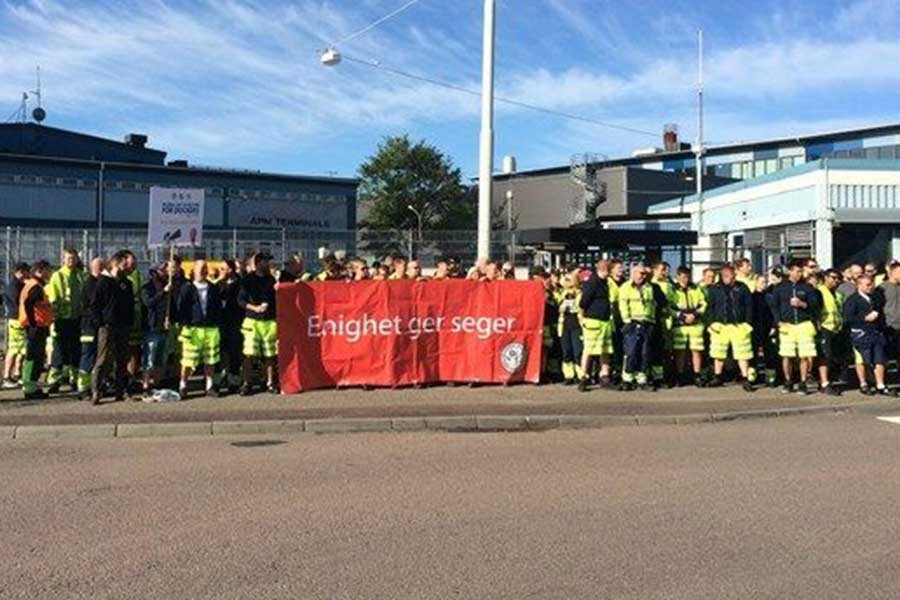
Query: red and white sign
x=390 y=333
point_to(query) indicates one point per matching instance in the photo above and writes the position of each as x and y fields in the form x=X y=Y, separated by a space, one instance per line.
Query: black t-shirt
x=256 y=289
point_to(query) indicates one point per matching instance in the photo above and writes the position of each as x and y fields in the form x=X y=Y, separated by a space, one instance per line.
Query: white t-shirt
x=203 y=293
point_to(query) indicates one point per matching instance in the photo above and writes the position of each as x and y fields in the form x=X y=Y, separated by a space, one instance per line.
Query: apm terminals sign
x=176 y=217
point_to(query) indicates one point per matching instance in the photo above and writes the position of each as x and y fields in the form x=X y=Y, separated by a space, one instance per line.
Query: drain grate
x=257 y=443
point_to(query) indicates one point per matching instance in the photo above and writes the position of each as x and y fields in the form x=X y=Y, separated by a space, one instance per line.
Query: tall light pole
x=486 y=148
x=419 y=220
x=698 y=147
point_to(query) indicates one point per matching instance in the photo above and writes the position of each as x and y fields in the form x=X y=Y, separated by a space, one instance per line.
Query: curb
x=455 y=424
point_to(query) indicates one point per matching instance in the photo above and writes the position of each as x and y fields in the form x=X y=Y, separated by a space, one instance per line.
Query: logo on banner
x=512 y=357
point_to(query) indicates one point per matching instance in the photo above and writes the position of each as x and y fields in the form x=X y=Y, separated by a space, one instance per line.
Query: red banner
x=390 y=333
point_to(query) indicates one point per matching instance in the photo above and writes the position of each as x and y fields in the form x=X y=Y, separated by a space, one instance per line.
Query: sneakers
x=865 y=390
x=213 y=392
x=829 y=390
x=787 y=388
x=605 y=382
x=9 y=384
x=583 y=385
x=37 y=394
x=748 y=386
x=54 y=388
x=886 y=392
x=569 y=382
x=246 y=390
x=801 y=389
x=715 y=382
x=626 y=386
x=272 y=389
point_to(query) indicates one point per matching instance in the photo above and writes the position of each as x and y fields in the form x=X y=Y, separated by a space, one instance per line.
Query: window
x=771 y=165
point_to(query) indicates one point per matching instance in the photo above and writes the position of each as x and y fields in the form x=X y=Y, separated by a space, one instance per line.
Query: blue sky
x=238 y=83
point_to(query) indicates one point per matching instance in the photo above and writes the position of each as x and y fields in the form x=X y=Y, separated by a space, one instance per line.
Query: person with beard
x=112 y=309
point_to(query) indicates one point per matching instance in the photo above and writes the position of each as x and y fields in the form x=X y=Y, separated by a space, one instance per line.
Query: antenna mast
x=38 y=114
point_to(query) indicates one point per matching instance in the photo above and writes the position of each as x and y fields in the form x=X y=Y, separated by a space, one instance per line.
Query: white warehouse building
x=838 y=210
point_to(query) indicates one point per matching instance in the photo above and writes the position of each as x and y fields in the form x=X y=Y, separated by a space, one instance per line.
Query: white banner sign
x=176 y=217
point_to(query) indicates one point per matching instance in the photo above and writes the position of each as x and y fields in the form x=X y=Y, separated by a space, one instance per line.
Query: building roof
x=732 y=148
x=40 y=143
x=42 y=140
x=846 y=164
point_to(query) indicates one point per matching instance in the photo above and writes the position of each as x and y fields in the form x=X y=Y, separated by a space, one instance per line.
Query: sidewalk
x=522 y=400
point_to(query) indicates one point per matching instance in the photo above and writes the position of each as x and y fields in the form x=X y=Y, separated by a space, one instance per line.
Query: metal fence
x=30 y=244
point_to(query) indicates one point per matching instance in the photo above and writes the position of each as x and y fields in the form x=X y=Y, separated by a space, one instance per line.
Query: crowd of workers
x=786 y=327
x=106 y=329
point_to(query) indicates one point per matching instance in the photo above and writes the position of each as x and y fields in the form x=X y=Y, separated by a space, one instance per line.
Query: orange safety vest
x=43 y=310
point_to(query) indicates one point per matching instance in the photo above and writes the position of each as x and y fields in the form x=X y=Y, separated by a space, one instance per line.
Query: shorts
x=15 y=338
x=260 y=338
x=597 y=337
x=826 y=343
x=686 y=337
x=200 y=345
x=797 y=340
x=869 y=348
x=736 y=336
x=154 y=351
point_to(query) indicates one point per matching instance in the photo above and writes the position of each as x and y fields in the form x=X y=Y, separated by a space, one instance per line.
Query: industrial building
x=52 y=179
x=638 y=206
x=837 y=209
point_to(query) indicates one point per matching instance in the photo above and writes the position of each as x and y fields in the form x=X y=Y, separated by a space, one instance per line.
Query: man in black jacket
x=730 y=314
x=795 y=306
x=864 y=315
x=200 y=314
x=155 y=297
x=232 y=316
x=597 y=325
x=88 y=337
x=112 y=309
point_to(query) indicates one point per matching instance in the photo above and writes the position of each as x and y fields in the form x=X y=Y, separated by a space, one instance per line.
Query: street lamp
x=330 y=57
x=419 y=219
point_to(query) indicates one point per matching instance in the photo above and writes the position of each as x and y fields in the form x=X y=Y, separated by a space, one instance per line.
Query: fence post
x=409 y=245
x=18 y=243
x=234 y=248
x=8 y=251
x=283 y=246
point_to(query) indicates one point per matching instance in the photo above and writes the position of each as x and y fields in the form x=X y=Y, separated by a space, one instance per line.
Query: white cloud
x=220 y=79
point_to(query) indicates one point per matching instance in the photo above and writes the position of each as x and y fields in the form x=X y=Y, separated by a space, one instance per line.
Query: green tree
x=402 y=174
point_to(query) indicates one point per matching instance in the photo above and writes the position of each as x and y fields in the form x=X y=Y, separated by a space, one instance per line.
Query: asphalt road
x=785 y=508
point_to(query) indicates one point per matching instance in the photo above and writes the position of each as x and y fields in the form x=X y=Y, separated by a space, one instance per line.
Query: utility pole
x=486 y=148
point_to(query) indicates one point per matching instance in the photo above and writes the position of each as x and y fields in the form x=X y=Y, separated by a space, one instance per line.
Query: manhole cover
x=257 y=443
